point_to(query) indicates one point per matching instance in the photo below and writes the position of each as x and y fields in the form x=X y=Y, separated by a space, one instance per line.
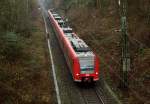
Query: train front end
x=87 y=68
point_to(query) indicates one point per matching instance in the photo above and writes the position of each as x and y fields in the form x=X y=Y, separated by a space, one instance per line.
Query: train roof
x=67 y=29
x=57 y=17
x=79 y=46
x=54 y=14
x=60 y=21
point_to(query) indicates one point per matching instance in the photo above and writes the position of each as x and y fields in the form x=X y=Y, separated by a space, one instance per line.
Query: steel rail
x=91 y=96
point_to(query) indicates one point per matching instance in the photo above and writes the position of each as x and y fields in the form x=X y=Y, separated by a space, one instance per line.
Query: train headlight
x=96 y=73
x=77 y=74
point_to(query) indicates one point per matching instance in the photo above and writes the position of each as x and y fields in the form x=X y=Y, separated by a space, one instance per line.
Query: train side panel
x=70 y=56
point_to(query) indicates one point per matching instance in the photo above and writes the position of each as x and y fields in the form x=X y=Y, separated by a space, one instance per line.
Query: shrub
x=11 y=48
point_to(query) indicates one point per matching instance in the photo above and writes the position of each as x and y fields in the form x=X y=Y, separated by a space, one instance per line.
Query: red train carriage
x=82 y=62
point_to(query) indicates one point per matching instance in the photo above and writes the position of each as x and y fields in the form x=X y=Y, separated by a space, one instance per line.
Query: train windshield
x=85 y=68
x=87 y=65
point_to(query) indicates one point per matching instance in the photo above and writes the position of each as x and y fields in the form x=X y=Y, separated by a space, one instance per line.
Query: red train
x=82 y=62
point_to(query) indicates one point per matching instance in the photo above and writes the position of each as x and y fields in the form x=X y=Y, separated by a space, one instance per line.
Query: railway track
x=96 y=94
x=91 y=95
x=104 y=95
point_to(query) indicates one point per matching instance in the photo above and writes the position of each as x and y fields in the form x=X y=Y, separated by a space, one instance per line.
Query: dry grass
x=29 y=81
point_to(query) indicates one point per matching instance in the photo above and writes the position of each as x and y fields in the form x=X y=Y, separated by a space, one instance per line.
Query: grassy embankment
x=28 y=81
